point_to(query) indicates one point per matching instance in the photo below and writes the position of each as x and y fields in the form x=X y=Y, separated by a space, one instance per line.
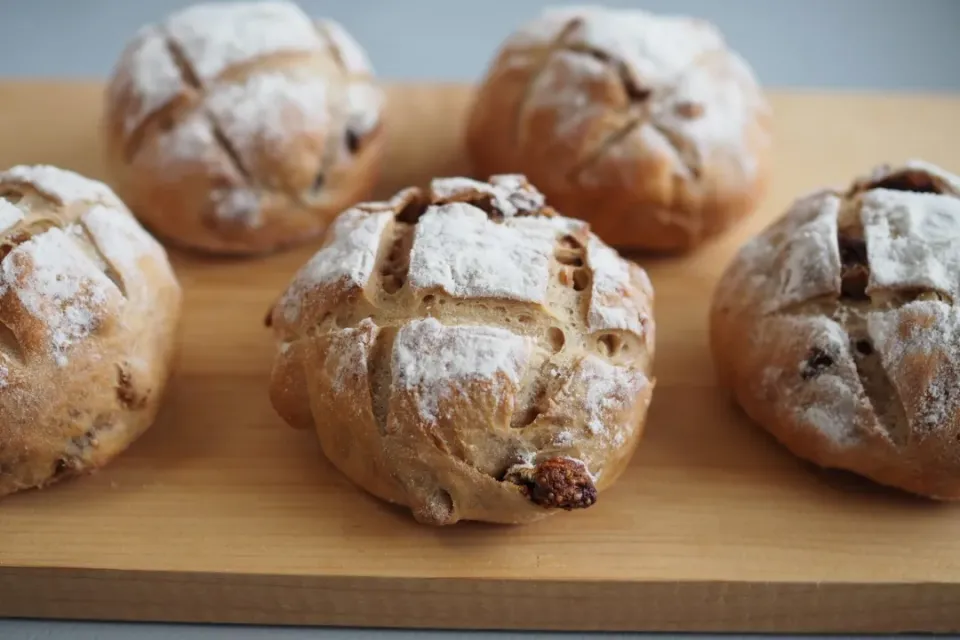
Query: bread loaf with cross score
x=838 y=328
x=89 y=310
x=649 y=127
x=468 y=353
x=242 y=127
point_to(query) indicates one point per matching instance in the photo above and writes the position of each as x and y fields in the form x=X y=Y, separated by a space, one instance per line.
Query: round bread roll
x=468 y=353
x=838 y=328
x=648 y=127
x=89 y=308
x=242 y=127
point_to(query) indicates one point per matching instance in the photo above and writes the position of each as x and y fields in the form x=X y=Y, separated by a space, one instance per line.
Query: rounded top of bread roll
x=647 y=126
x=468 y=352
x=839 y=328
x=88 y=309
x=242 y=127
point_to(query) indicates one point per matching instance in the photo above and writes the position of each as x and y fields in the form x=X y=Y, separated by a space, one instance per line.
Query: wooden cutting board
x=222 y=514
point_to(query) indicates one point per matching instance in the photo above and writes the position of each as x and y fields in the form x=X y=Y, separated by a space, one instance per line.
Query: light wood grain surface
x=221 y=513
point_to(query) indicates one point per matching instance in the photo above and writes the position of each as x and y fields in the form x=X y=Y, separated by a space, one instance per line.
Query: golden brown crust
x=242 y=128
x=657 y=152
x=838 y=328
x=89 y=308
x=468 y=353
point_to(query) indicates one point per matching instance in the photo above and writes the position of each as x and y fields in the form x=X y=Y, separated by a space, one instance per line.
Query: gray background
x=862 y=44
x=911 y=45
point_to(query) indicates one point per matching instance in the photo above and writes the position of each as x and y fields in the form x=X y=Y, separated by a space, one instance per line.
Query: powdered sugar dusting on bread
x=216 y=36
x=699 y=91
x=153 y=76
x=348 y=257
x=656 y=45
x=10 y=215
x=364 y=105
x=919 y=343
x=458 y=249
x=614 y=303
x=348 y=355
x=61 y=185
x=563 y=87
x=270 y=113
x=830 y=401
x=510 y=193
x=122 y=240
x=268 y=110
x=726 y=92
x=351 y=54
x=59 y=286
x=437 y=361
x=809 y=258
x=913 y=240
x=608 y=389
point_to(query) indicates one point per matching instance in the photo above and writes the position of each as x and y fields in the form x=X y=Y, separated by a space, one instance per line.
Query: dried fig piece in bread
x=838 y=329
x=649 y=127
x=89 y=307
x=243 y=128
x=469 y=353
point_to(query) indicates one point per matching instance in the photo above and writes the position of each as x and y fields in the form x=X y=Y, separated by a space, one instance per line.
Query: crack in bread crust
x=33 y=225
x=544 y=363
x=638 y=99
x=545 y=53
x=192 y=80
x=849 y=310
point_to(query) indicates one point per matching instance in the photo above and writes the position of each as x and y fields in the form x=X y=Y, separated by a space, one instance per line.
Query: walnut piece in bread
x=242 y=127
x=89 y=308
x=467 y=352
x=646 y=126
x=838 y=328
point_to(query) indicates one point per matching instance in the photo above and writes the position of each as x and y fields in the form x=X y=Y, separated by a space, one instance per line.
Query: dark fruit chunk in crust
x=817 y=362
x=557 y=483
x=854 y=273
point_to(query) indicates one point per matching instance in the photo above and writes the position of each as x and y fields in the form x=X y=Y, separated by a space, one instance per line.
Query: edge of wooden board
x=695 y=606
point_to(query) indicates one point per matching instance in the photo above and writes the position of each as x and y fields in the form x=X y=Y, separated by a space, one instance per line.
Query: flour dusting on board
x=438 y=361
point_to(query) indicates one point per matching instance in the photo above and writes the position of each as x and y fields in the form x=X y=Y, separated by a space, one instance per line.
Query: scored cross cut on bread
x=467 y=352
x=838 y=328
x=649 y=127
x=243 y=127
x=89 y=307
